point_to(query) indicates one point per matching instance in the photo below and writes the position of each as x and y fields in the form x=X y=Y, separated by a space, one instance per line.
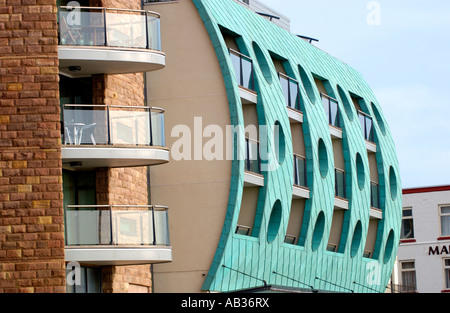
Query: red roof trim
x=426 y=189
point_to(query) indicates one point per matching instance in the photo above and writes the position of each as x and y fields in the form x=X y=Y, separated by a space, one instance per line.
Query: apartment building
x=187 y=146
x=78 y=138
x=424 y=253
x=314 y=202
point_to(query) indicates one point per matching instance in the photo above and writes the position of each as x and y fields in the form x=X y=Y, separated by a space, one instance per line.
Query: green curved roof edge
x=242 y=262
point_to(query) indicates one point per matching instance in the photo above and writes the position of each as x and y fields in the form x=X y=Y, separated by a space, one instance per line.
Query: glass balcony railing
x=300 y=171
x=252 y=157
x=367 y=126
x=339 y=189
x=112 y=125
x=243 y=68
x=374 y=195
x=332 y=110
x=116 y=225
x=104 y=27
x=290 y=90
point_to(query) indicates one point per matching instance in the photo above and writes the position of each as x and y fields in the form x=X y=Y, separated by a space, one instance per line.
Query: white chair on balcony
x=84 y=128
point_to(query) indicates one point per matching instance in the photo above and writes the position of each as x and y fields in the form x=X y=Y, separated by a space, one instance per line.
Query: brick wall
x=127 y=279
x=31 y=210
x=122 y=186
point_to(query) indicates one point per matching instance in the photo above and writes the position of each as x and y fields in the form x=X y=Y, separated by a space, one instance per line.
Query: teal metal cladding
x=248 y=261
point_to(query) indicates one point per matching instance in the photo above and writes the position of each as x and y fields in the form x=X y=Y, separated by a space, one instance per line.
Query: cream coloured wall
x=373 y=167
x=196 y=191
x=296 y=218
x=248 y=207
x=338 y=154
x=298 y=141
x=371 y=235
x=336 y=227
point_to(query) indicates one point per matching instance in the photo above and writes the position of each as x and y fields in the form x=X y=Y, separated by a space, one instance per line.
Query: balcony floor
x=107 y=60
x=89 y=157
x=118 y=255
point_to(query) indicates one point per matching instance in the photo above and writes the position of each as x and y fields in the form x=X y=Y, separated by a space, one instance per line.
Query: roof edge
x=407 y=191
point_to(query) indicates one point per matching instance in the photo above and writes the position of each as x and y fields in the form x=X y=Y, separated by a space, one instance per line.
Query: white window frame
x=407 y=218
x=402 y=270
x=440 y=220
x=446 y=272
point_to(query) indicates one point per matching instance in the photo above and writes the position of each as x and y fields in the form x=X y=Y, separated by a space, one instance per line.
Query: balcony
x=96 y=40
x=368 y=131
x=291 y=94
x=252 y=175
x=117 y=235
x=243 y=68
x=332 y=113
x=300 y=190
x=96 y=136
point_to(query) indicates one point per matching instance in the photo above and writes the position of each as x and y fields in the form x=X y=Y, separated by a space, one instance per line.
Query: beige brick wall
x=31 y=210
x=122 y=186
x=127 y=279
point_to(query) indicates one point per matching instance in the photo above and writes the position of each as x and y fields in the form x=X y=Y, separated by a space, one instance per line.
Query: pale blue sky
x=406 y=61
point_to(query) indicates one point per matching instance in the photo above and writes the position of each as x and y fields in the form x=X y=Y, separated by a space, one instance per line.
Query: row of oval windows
x=323 y=158
x=324 y=163
x=275 y=218
x=360 y=172
x=308 y=85
x=318 y=232
x=276 y=214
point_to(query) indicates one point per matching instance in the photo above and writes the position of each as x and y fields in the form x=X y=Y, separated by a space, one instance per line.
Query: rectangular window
x=331 y=110
x=84 y=280
x=367 y=126
x=299 y=171
x=447 y=273
x=290 y=91
x=407 y=231
x=243 y=67
x=374 y=195
x=408 y=272
x=252 y=156
x=445 y=220
x=339 y=190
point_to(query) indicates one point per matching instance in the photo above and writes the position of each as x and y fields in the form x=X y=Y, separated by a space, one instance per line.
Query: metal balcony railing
x=331 y=109
x=290 y=90
x=116 y=225
x=367 y=126
x=112 y=125
x=300 y=171
x=396 y=288
x=107 y=27
x=243 y=68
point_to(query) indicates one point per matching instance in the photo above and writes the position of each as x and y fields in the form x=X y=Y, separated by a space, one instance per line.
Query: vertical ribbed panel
x=300 y=266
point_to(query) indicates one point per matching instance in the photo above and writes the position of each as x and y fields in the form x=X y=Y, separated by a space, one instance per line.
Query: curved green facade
x=246 y=261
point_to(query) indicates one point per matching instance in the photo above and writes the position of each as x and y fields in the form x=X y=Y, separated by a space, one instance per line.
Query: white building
x=272 y=15
x=424 y=252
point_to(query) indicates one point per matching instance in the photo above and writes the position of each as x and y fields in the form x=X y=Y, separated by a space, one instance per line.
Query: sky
x=402 y=48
